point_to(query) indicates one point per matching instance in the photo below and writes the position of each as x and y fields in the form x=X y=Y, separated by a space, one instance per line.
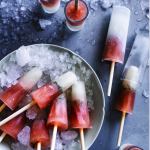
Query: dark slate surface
x=136 y=128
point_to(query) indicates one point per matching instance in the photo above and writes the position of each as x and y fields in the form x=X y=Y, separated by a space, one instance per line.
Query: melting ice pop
x=13 y=95
x=58 y=119
x=47 y=93
x=40 y=137
x=13 y=127
x=132 y=76
x=79 y=118
x=116 y=39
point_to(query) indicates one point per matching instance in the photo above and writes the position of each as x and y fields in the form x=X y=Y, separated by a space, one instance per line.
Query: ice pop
x=79 y=118
x=40 y=135
x=116 y=39
x=132 y=76
x=47 y=93
x=13 y=127
x=58 y=119
x=13 y=95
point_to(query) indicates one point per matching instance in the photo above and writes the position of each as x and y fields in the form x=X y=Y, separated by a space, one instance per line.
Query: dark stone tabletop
x=18 y=27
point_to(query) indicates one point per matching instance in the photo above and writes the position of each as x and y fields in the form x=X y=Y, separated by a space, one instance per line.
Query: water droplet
x=147 y=12
x=138 y=20
x=79 y=38
x=41 y=39
x=65 y=36
x=92 y=33
x=50 y=40
x=145 y=93
x=93 y=42
x=100 y=143
x=77 y=52
x=147 y=26
x=136 y=12
x=4 y=51
x=136 y=31
x=87 y=41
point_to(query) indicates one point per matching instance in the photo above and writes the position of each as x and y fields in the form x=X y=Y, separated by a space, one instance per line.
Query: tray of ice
x=53 y=61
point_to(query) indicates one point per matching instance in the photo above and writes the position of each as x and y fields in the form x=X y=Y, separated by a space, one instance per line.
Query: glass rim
x=79 y=20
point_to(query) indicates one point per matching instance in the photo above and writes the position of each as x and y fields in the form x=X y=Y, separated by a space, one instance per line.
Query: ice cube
x=44 y=23
x=22 y=56
x=14 y=73
x=24 y=136
x=69 y=135
x=106 y=4
x=70 y=145
x=32 y=112
x=17 y=146
x=3 y=78
x=94 y=4
x=145 y=93
x=25 y=101
x=3 y=4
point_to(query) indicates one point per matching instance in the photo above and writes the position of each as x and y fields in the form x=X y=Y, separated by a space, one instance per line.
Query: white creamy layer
x=66 y=80
x=52 y=9
x=74 y=28
x=29 y=80
x=119 y=23
x=131 y=78
x=78 y=91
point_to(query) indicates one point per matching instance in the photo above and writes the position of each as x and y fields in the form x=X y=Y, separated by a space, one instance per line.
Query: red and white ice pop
x=79 y=118
x=39 y=138
x=125 y=101
x=116 y=39
x=58 y=119
x=13 y=127
x=13 y=95
x=47 y=93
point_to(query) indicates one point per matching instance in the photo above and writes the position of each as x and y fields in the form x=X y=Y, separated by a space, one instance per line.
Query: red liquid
x=13 y=95
x=14 y=126
x=130 y=148
x=113 y=50
x=79 y=115
x=45 y=95
x=58 y=116
x=39 y=133
x=51 y=3
x=125 y=101
x=76 y=15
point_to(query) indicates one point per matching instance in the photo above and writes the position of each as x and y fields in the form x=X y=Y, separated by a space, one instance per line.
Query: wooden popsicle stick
x=54 y=138
x=82 y=139
x=17 y=113
x=2 y=107
x=2 y=136
x=39 y=146
x=111 y=77
x=76 y=4
x=121 y=128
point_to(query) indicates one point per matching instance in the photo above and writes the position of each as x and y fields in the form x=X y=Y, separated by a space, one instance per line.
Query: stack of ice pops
x=54 y=92
x=57 y=119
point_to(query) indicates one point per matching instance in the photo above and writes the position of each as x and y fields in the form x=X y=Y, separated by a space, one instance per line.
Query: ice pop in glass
x=47 y=93
x=13 y=95
x=50 y=6
x=57 y=119
x=116 y=39
x=40 y=135
x=75 y=17
x=14 y=126
x=133 y=75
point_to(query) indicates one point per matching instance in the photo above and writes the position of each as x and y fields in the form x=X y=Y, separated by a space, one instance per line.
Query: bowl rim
x=103 y=99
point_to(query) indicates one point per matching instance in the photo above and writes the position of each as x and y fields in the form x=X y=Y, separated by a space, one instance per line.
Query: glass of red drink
x=50 y=6
x=75 y=19
x=130 y=147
